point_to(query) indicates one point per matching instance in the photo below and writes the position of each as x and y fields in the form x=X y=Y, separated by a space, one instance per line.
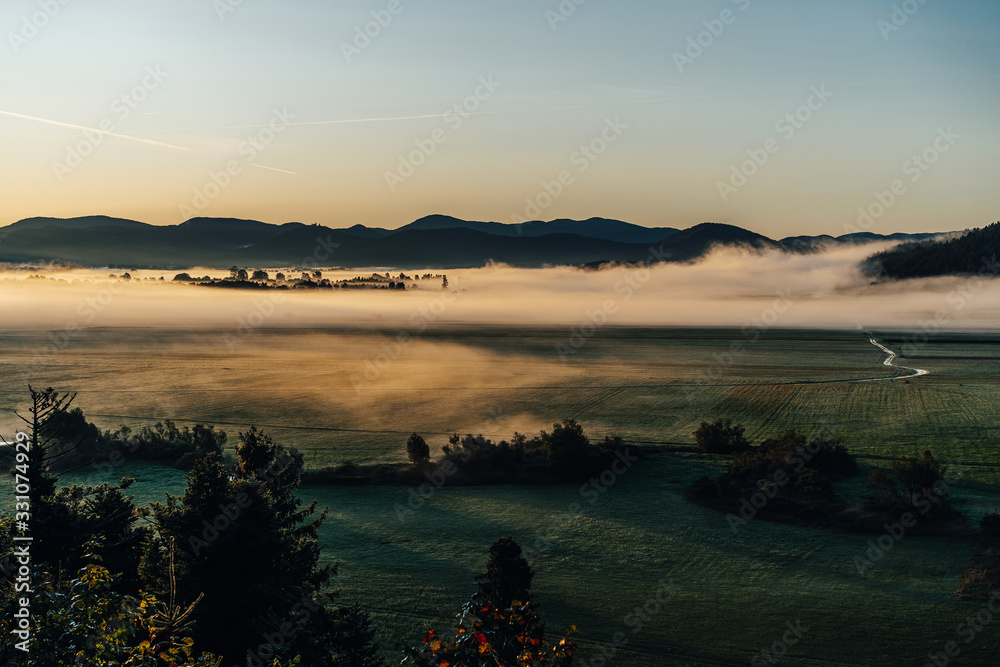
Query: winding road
x=889 y=359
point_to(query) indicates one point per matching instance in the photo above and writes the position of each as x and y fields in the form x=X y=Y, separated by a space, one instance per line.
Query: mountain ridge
x=434 y=240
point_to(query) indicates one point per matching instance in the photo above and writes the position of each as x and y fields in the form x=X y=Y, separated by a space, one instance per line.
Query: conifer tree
x=499 y=626
x=251 y=546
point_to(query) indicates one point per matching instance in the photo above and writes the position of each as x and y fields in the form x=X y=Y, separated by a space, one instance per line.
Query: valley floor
x=356 y=394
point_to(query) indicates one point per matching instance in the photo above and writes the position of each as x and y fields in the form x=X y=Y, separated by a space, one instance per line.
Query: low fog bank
x=729 y=287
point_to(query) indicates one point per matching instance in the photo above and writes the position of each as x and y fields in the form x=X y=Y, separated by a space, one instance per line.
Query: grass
x=649 y=385
x=735 y=592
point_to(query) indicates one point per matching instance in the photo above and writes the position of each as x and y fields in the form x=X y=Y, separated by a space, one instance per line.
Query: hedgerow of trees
x=73 y=441
x=792 y=478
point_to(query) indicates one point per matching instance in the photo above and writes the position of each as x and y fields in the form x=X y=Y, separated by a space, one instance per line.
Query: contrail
x=343 y=121
x=383 y=119
x=91 y=129
x=284 y=171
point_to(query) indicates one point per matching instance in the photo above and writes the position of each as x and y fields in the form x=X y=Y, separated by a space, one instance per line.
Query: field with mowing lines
x=343 y=395
x=736 y=592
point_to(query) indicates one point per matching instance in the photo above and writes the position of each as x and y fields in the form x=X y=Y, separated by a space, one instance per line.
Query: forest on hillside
x=973 y=253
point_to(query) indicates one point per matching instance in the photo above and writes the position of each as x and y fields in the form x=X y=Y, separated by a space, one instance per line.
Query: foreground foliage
x=499 y=626
x=238 y=546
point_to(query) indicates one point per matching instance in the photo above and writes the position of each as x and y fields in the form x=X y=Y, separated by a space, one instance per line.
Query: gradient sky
x=560 y=84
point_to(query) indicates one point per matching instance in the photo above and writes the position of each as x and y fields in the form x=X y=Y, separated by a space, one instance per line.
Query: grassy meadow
x=735 y=592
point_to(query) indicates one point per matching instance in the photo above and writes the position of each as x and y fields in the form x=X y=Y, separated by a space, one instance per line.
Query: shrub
x=721 y=437
x=911 y=484
x=793 y=472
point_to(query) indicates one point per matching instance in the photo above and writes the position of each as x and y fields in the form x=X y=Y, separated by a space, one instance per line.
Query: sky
x=784 y=117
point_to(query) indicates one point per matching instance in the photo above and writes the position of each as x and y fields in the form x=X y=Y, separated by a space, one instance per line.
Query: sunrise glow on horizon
x=785 y=118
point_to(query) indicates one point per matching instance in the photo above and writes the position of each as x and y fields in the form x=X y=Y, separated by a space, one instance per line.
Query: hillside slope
x=974 y=252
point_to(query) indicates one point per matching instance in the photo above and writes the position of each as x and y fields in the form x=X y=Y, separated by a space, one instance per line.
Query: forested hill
x=975 y=252
x=439 y=241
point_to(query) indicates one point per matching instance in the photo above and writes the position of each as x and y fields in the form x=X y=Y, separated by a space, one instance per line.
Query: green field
x=735 y=592
x=647 y=385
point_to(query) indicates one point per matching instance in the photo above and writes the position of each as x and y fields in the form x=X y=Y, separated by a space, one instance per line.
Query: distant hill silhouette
x=434 y=241
x=814 y=243
x=970 y=253
x=597 y=228
x=696 y=241
x=87 y=222
x=368 y=232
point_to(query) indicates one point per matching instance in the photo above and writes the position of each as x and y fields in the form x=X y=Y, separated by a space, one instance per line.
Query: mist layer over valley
x=730 y=287
x=346 y=374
